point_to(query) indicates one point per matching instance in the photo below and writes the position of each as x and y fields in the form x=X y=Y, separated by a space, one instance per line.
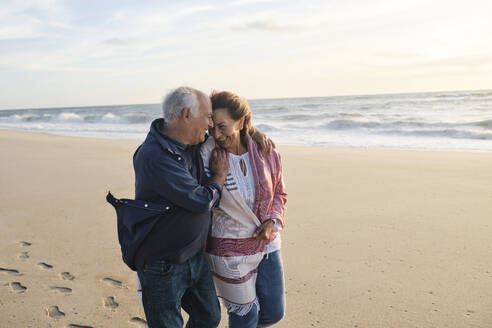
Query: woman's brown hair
x=236 y=106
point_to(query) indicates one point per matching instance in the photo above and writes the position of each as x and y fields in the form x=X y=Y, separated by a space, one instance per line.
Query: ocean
x=460 y=121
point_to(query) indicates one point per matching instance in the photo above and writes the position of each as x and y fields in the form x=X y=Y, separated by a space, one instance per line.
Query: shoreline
x=279 y=145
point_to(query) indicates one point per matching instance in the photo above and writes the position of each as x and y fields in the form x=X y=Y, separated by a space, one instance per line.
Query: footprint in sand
x=13 y=272
x=17 y=287
x=54 y=312
x=45 y=265
x=23 y=256
x=66 y=276
x=72 y=325
x=64 y=290
x=112 y=282
x=109 y=302
x=139 y=322
x=25 y=243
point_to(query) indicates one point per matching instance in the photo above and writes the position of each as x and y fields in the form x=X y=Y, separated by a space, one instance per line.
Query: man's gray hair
x=178 y=99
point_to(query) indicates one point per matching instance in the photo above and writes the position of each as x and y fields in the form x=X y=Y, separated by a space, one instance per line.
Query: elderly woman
x=244 y=242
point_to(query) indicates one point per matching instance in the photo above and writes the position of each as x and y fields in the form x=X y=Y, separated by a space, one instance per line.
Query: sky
x=82 y=53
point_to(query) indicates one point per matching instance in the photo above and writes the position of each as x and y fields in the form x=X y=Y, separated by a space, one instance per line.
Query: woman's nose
x=217 y=133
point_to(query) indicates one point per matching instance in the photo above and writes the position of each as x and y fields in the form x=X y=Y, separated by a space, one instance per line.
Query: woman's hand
x=264 y=231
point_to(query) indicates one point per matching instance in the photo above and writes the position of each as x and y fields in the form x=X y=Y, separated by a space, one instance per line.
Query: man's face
x=200 y=124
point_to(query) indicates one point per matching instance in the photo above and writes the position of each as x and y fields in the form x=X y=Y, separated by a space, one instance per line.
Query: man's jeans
x=270 y=293
x=167 y=287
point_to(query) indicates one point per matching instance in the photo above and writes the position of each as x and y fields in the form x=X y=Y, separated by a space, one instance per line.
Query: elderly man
x=172 y=267
x=171 y=264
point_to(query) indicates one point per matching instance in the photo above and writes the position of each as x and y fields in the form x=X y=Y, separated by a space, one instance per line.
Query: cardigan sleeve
x=277 y=210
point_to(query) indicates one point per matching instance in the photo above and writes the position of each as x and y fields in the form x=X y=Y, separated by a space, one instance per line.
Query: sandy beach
x=373 y=238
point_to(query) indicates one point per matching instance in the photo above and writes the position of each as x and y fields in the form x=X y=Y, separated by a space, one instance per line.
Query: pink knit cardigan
x=270 y=196
x=270 y=200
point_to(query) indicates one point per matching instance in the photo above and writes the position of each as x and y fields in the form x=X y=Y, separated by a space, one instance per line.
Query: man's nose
x=210 y=123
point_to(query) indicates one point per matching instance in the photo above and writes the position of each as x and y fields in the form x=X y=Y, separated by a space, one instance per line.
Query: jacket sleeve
x=277 y=210
x=169 y=178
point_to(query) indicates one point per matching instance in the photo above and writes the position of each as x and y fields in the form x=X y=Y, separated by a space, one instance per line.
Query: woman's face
x=226 y=130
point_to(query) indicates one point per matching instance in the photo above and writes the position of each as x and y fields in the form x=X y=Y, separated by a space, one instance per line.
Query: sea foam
x=443 y=121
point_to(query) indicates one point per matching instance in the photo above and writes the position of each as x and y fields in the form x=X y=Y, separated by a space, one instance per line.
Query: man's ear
x=185 y=114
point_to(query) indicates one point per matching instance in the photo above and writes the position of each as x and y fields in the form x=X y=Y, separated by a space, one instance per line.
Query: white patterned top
x=240 y=168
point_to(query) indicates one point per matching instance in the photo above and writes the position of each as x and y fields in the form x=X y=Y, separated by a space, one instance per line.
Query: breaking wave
x=454 y=120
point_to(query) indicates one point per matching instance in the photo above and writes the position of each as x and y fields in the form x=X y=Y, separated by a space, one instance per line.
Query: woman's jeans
x=167 y=287
x=270 y=293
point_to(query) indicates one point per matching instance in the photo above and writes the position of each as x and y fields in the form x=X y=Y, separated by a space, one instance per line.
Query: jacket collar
x=167 y=143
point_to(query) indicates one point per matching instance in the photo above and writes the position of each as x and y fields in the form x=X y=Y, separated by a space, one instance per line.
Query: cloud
x=118 y=41
x=398 y=55
x=88 y=47
x=56 y=37
x=268 y=25
x=156 y=16
x=462 y=63
x=247 y=2
x=18 y=32
x=33 y=19
x=427 y=67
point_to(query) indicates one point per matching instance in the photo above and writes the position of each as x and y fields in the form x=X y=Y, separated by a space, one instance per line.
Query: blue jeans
x=167 y=287
x=270 y=293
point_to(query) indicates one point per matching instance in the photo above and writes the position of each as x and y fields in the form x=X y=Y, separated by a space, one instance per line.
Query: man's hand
x=264 y=230
x=266 y=144
x=219 y=165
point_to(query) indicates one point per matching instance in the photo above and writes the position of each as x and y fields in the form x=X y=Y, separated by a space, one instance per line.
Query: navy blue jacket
x=167 y=171
x=136 y=219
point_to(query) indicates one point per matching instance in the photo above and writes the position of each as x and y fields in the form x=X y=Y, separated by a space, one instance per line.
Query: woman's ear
x=241 y=123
